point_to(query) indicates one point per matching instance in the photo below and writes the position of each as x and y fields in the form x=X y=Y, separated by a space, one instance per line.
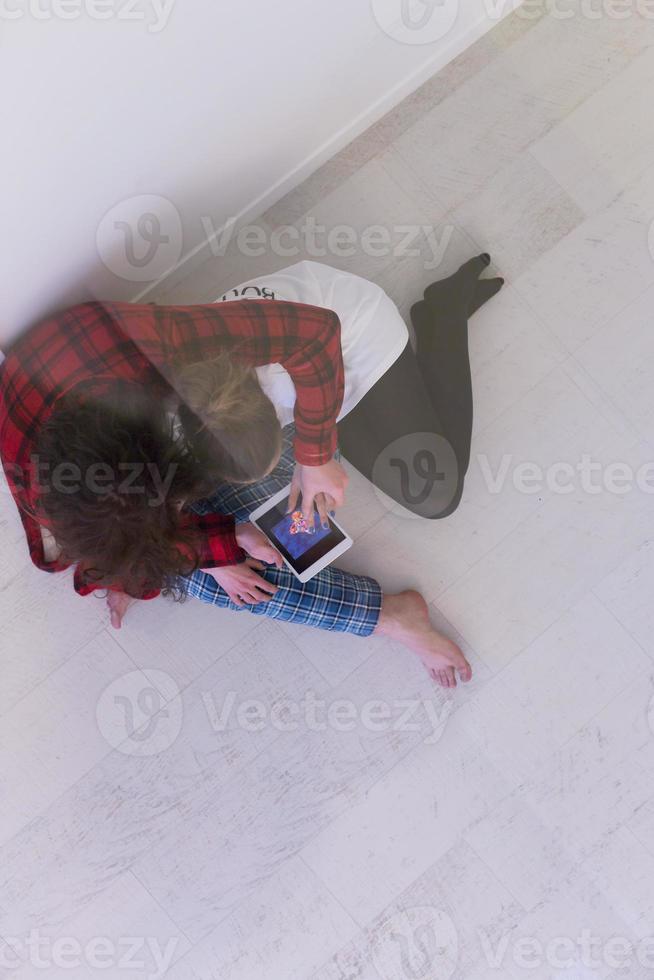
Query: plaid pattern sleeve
x=219 y=545
x=96 y=342
x=305 y=340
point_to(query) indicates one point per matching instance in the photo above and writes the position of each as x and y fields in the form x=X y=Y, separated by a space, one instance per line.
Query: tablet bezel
x=321 y=562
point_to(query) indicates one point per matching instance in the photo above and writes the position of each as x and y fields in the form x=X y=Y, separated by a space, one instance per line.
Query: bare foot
x=118 y=603
x=405 y=618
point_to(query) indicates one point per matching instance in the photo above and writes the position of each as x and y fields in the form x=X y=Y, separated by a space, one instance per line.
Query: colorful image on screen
x=296 y=536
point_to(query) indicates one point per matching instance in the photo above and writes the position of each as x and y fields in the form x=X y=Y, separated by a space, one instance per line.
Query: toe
x=485 y=289
x=474 y=267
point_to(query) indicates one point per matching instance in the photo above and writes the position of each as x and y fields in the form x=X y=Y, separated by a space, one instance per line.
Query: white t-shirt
x=373 y=334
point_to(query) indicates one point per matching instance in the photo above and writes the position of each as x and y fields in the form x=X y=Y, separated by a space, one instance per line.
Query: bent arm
x=305 y=340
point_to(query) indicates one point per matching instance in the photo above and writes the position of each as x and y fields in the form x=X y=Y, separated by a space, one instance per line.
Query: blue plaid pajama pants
x=332 y=600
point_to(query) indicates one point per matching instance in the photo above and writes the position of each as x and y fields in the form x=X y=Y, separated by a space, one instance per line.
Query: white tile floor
x=248 y=800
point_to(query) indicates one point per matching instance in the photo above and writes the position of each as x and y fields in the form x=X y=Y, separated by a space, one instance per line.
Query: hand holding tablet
x=305 y=547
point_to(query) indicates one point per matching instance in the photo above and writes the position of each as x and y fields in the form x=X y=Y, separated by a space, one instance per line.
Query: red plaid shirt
x=99 y=342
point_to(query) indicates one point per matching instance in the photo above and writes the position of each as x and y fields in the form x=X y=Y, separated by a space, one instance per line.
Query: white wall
x=217 y=106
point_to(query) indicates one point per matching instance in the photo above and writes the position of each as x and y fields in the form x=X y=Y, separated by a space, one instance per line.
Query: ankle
x=399 y=611
x=387 y=615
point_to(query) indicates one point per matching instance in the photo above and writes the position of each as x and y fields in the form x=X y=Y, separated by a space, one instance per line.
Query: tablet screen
x=301 y=544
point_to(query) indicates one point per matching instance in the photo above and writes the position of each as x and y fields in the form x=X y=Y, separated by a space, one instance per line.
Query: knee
x=440 y=507
x=424 y=475
x=434 y=506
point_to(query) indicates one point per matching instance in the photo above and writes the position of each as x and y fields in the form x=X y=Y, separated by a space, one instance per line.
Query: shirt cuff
x=312 y=454
x=221 y=548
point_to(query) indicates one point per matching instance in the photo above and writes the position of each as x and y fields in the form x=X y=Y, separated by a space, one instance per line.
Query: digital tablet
x=305 y=550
